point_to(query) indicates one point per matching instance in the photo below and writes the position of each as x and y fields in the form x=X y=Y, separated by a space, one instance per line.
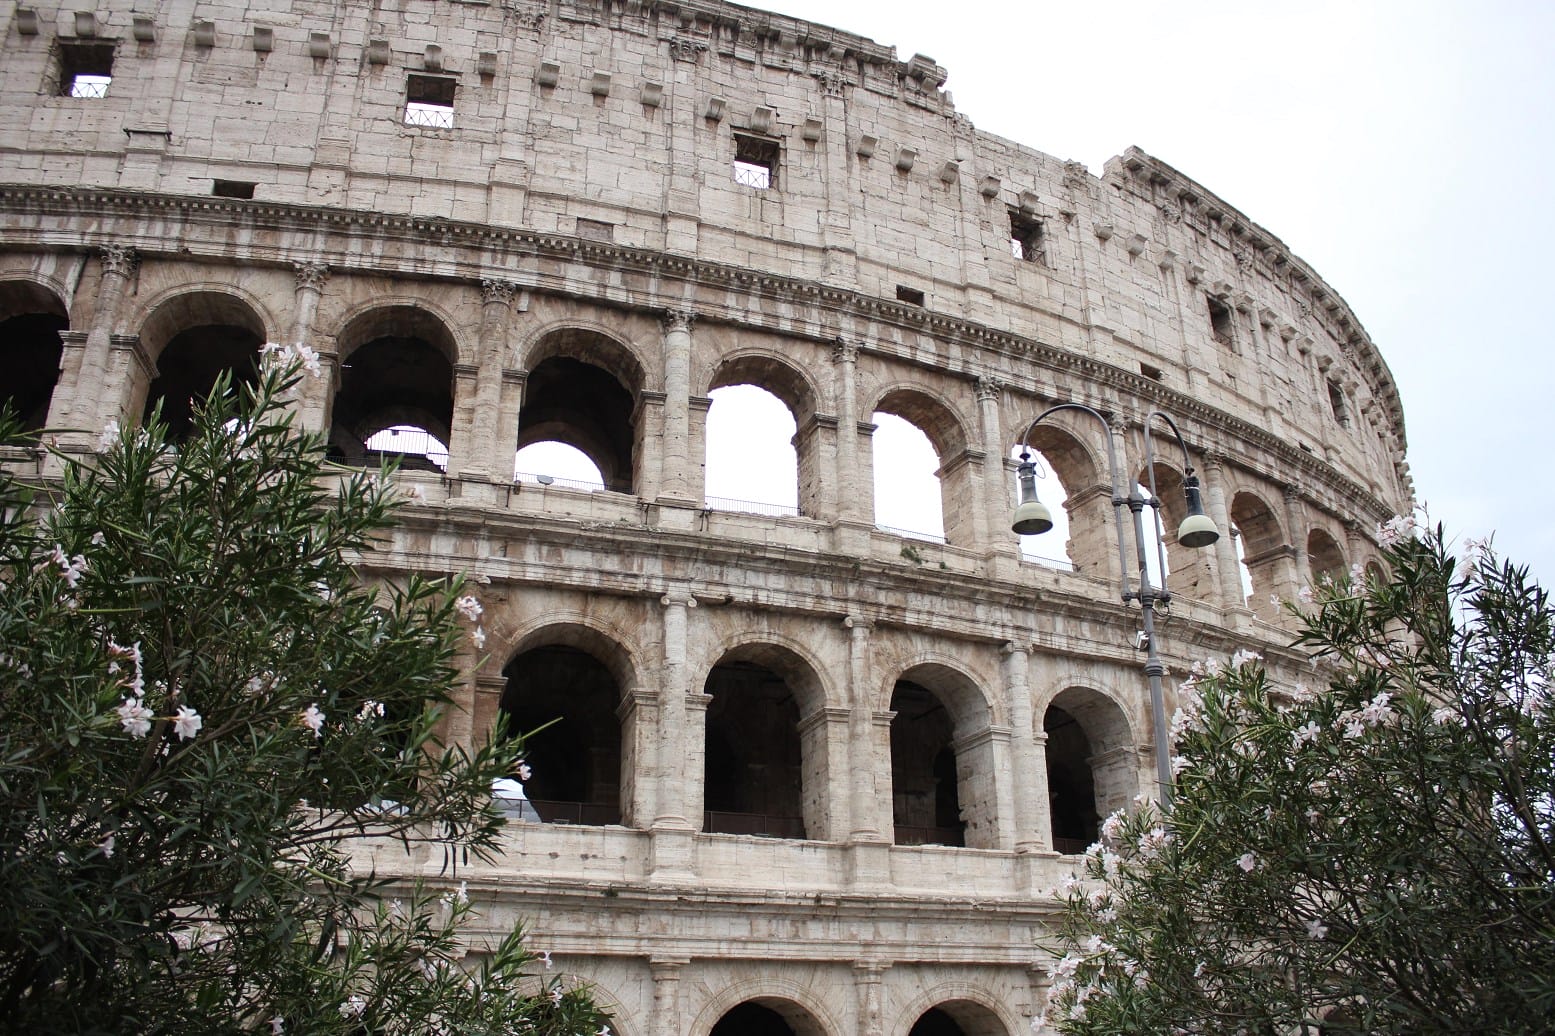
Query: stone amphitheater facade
x=811 y=777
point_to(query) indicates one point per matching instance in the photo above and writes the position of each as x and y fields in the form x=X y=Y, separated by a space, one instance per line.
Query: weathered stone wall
x=576 y=254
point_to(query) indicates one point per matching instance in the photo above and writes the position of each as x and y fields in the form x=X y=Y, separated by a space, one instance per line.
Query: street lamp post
x=1197 y=530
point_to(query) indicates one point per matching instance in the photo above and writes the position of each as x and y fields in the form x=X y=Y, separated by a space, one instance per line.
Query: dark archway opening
x=751 y=1019
x=30 y=351
x=570 y=401
x=1071 y=786
x=925 y=802
x=753 y=781
x=576 y=761
x=188 y=367
x=402 y=380
x=935 y=1022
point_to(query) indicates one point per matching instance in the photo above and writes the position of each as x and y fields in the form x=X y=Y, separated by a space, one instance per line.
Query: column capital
x=120 y=259
x=844 y=350
x=311 y=275
x=1291 y=492
x=1212 y=459
x=858 y=623
x=498 y=291
x=685 y=600
x=677 y=320
x=988 y=387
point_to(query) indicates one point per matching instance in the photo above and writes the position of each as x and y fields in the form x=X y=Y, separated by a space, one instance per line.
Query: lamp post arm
x=1118 y=501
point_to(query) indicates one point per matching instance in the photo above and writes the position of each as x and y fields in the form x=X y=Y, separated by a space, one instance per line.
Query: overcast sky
x=1402 y=149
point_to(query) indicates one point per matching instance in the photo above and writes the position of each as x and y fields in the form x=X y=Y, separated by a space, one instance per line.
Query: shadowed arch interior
x=1325 y=557
x=1091 y=770
x=576 y=759
x=195 y=338
x=767 y=1016
x=942 y=766
x=31 y=318
x=397 y=371
x=958 y=1018
x=581 y=390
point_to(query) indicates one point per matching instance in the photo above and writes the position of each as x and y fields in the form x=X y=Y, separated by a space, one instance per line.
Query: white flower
x=282 y=356
x=369 y=709
x=109 y=436
x=1376 y=711
x=353 y=1007
x=524 y=772
x=98 y=539
x=1316 y=929
x=1248 y=862
x=1179 y=764
x=277 y=1025
x=187 y=723
x=1153 y=841
x=556 y=995
x=134 y=717
x=545 y=955
x=313 y=719
x=1395 y=529
x=1304 y=595
x=106 y=846
x=469 y=607
x=1305 y=733
x=479 y=637
x=1112 y=827
x=1243 y=657
x=256 y=684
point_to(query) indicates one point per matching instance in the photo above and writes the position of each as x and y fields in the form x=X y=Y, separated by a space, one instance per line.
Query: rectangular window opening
x=1026 y=238
x=1337 y=403
x=429 y=101
x=85 y=69
x=232 y=189
x=911 y=296
x=595 y=230
x=1153 y=373
x=1220 y=322
x=755 y=161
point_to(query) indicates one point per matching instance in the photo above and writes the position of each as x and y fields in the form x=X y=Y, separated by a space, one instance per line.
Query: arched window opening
x=754 y=780
x=552 y=463
x=412 y=448
x=958 y=1018
x=31 y=319
x=907 y=486
x=1071 y=788
x=767 y=1016
x=1266 y=555
x=1092 y=769
x=579 y=404
x=1051 y=548
x=188 y=367
x=1325 y=557
x=1188 y=568
x=752 y=462
x=925 y=802
x=397 y=373
x=576 y=761
x=1244 y=577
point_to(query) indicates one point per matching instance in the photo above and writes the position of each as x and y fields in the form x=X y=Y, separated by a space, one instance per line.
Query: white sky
x=1402 y=149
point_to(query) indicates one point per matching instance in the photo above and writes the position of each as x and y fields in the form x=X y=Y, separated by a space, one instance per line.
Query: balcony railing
x=555 y=812
x=727 y=503
x=760 y=824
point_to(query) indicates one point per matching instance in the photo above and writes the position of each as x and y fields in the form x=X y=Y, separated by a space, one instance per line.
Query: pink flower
x=1248 y=862
x=134 y=717
x=187 y=723
x=1316 y=929
x=313 y=719
x=469 y=607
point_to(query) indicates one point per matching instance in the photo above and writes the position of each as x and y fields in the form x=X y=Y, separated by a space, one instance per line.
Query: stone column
x=671 y=791
x=1030 y=773
x=315 y=396
x=1231 y=595
x=996 y=483
x=867 y=977
x=1354 y=545
x=675 y=481
x=93 y=400
x=666 y=995
x=474 y=451
x=866 y=783
x=1296 y=536
x=639 y=716
x=855 y=498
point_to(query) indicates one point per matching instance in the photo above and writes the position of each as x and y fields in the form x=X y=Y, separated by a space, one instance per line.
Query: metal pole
x=1154 y=668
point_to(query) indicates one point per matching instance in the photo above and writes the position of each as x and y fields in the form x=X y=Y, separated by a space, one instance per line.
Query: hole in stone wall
x=232 y=189
x=1026 y=238
x=1220 y=323
x=753 y=776
x=85 y=69
x=568 y=400
x=752 y=464
x=553 y=463
x=925 y=803
x=30 y=349
x=576 y=760
x=911 y=296
x=1071 y=787
x=429 y=101
x=755 y=161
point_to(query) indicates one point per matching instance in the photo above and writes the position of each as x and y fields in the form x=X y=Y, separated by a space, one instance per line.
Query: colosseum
x=813 y=774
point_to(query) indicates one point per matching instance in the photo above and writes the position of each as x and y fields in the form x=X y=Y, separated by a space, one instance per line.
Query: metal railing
x=553 y=811
x=908 y=835
x=432 y=116
x=912 y=534
x=728 y=503
x=537 y=479
x=759 y=824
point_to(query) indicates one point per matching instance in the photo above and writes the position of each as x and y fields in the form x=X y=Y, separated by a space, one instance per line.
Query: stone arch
x=946 y=429
x=590 y=342
x=778 y=451
x=805 y=1013
x=32 y=315
x=574 y=677
x=767 y=743
x=1075 y=462
x=193 y=335
x=583 y=389
x=397 y=371
x=971 y=1010
x=622 y=1021
x=1092 y=766
x=944 y=789
x=1325 y=557
x=1266 y=554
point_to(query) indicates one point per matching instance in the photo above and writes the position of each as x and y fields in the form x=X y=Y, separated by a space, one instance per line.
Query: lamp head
x=1032 y=516
x=1196 y=530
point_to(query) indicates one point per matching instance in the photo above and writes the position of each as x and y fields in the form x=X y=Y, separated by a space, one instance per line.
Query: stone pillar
x=999 y=503
x=1045 y=806
x=1231 y=595
x=675 y=480
x=474 y=451
x=670 y=794
x=666 y=995
x=1030 y=773
x=867 y=977
x=639 y=716
x=869 y=823
x=815 y=449
x=315 y=397
x=855 y=494
x=825 y=738
x=1354 y=545
x=93 y=401
x=1296 y=536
